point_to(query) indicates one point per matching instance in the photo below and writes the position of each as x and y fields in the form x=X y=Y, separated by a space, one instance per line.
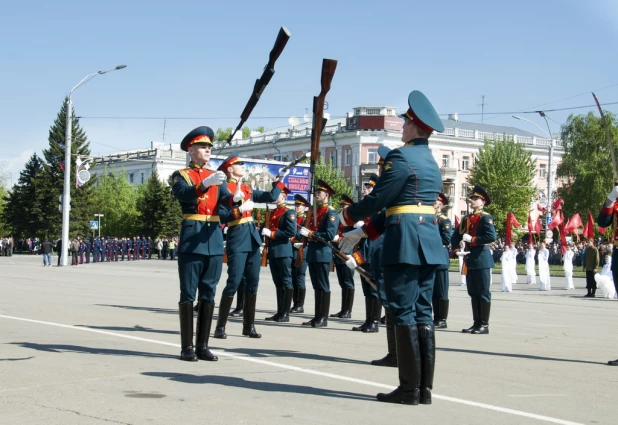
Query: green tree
x=3 y=196
x=152 y=207
x=222 y=135
x=25 y=212
x=335 y=179
x=586 y=164
x=505 y=170
x=81 y=208
x=173 y=213
x=116 y=199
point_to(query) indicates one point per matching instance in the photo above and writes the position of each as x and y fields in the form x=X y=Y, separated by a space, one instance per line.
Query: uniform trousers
x=281 y=271
x=409 y=289
x=198 y=272
x=345 y=275
x=318 y=272
x=298 y=274
x=440 y=287
x=478 y=281
x=241 y=264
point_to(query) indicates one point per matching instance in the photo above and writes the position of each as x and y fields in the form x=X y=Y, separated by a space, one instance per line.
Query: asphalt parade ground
x=99 y=343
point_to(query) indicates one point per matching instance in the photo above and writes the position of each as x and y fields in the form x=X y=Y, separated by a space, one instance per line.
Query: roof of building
x=488 y=128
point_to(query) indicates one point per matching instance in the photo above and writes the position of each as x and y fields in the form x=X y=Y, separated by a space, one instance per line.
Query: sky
x=192 y=63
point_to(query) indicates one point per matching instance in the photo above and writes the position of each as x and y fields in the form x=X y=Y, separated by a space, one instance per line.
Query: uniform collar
x=196 y=165
x=232 y=180
x=478 y=211
x=416 y=142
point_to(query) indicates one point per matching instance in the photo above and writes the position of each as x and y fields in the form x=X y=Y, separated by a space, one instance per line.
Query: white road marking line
x=308 y=371
x=537 y=395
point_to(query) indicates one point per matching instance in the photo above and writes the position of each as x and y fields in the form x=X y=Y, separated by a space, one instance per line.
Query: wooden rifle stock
x=301 y=251
x=264 y=261
x=328 y=72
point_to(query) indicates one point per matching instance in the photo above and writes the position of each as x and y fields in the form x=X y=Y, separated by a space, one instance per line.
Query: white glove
x=462 y=253
x=225 y=230
x=266 y=232
x=350 y=239
x=304 y=231
x=247 y=206
x=238 y=195
x=613 y=195
x=342 y=218
x=358 y=224
x=467 y=238
x=214 y=179
x=298 y=245
x=282 y=175
x=336 y=238
x=351 y=262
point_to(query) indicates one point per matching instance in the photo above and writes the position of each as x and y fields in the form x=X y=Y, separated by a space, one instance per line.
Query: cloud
x=11 y=166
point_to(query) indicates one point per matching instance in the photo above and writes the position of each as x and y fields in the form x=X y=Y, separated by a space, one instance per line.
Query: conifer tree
x=152 y=207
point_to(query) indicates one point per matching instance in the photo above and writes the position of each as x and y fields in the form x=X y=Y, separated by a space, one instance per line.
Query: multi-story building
x=351 y=144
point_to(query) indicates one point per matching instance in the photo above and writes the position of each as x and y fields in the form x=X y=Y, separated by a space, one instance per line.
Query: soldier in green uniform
x=319 y=256
x=199 y=190
x=478 y=231
x=243 y=243
x=408 y=187
x=282 y=229
x=299 y=267
x=345 y=275
x=440 y=287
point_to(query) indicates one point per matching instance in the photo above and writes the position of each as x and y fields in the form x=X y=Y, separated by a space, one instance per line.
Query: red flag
x=530 y=228
x=61 y=165
x=573 y=224
x=589 y=228
x=563 y=241
x=602 y=230
x=515 y=222
x=557 y=205
x=456 y=222
x=510 y=221
x=537 y=225
x=557 y=220
x=540 y=208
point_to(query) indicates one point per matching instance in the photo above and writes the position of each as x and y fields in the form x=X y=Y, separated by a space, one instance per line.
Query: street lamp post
x=99 y=218
x=66 y=194
x=549 y=162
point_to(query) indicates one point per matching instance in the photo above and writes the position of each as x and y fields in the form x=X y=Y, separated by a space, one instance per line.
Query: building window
x=348 y=157
x=465 y=163
x=446 y=160
x=278 y=157
x=464 y=190
x=333 y=158
x=131 y=177
x=543 y=170
x=142 y=176
x=297 y=156
x=372 y=156
x=372 y=111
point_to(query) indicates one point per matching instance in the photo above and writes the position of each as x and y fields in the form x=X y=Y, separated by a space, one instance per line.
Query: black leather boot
x=347 y=306
x=299 y=303
x=248 y=318
x=224 y=311
x=368 y=311
x=390 y=360
x=483 y=328
x=427 y=345
x=376 y=312
x=240 y=302
x=344 y=297
x=275 y=316
x=287 y=302
x=204 y=323
x=318 y=303
x=383 y=320
x=187 y=351
x=322 y=320
x=441 y=315
x=476 y=315
x=409 y=359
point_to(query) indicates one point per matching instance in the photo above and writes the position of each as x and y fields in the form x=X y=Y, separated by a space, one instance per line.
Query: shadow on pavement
x=140 y=308
x=136 y=328
x=263 y=352
x=53 y=348
x=16 y=359
x=516 y=356
x=230 y=381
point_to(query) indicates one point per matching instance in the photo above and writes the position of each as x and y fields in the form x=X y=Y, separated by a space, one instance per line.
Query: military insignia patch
x=388 y=165
x=333 y=218
x=447 y=227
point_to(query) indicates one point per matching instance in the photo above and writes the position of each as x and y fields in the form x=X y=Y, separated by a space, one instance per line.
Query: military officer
x=608 y=215
x=82 y=249
x=243 y=243
x=319 y=256
x=115 y=247
x=345 y=275
x=299 y=267
x=440 y=287
x=137 y=246
x=129 y=248
x=282 y=229
x=408 y=187
x=478 y=231
x=96 y=247
x=200 y=191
